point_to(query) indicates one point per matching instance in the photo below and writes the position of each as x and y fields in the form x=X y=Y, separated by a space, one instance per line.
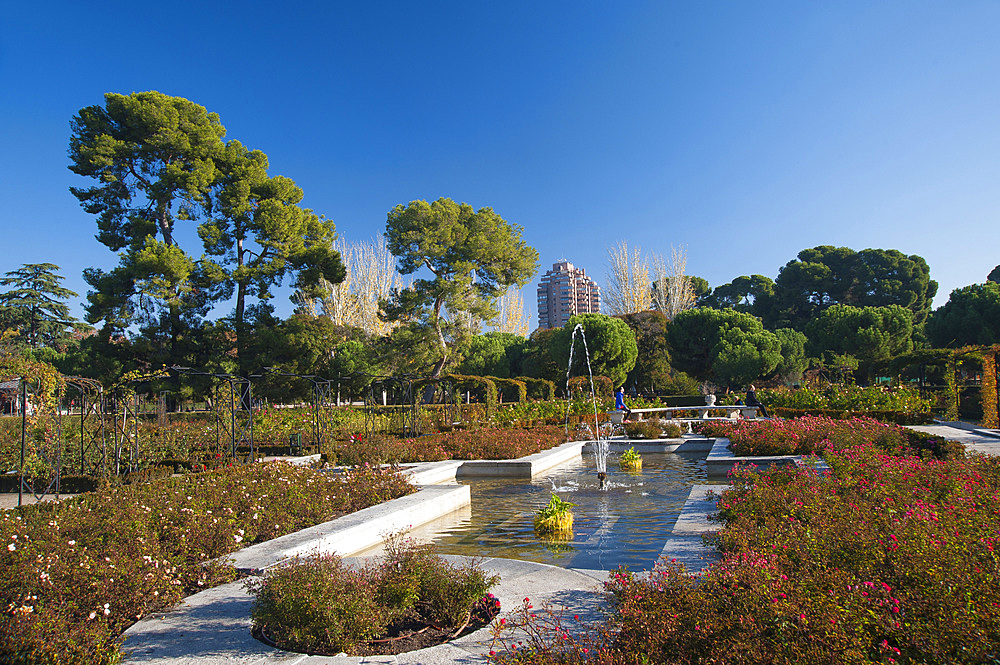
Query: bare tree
x=371 y=276
x=672 y=290
x=511 y=317
x=629 y=288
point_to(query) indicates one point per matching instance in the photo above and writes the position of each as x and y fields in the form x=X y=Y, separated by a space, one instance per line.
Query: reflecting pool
x=627 y=523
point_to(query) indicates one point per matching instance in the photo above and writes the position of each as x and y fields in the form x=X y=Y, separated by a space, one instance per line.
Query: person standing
x=620 y=402
x=753 y=401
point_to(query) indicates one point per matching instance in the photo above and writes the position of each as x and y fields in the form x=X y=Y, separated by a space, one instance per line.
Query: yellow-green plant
x=630 y=460
x=555 y=518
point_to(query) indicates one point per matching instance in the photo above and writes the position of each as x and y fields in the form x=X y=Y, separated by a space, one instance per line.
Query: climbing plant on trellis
x=953 y=360
x=40 y=390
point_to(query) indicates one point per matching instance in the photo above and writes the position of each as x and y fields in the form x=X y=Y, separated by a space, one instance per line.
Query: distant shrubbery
x=485 y=443
x=838 y=397
x=810 y=435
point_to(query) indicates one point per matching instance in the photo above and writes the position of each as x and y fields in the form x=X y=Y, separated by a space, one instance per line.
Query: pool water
x=627 y=523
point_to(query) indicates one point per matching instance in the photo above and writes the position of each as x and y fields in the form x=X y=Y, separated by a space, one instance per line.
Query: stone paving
x=973 y=438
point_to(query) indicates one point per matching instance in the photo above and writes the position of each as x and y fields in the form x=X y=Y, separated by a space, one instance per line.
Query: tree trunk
x=439 y=365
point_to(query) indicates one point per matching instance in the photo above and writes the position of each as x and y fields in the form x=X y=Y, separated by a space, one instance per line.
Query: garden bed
x=884 y=559
x=75 y=574
x=815 y=435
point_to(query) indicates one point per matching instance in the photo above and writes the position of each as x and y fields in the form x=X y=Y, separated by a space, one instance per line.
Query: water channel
x=626 y=523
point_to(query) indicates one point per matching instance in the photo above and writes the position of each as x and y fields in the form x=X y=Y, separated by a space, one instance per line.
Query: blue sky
x=744 y=132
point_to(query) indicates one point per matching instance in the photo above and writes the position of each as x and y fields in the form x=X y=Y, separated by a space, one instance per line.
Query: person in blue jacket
x=620 y=402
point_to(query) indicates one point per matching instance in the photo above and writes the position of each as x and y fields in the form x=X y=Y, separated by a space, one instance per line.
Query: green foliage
x=612 y=346
x=356 y=364
x=128 y=551
x=538 y=361
x=793 y=354
x=321 y=605
x=726 y=346
x=751 y=295
x=473 y=256
x=494 y=354
x=159 y=160
x=652 y=370
x=824 y=276
x=868 y=334
x=848 y=397
x=33 y=305
x=510 y=390
x=971 y=316
x=541 y=389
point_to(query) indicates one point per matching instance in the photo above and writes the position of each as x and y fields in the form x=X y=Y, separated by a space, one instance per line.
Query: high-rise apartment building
x=564 y=291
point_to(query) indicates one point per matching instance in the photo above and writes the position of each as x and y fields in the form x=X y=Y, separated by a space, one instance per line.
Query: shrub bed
x=75 y=574
x=855 y=399
x=810 y=435
x=486 y=443
x=319 y=605
x=888 y=560
x=898 y=417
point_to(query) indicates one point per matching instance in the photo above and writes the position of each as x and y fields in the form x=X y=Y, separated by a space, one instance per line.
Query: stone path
x=974 y=438
x=213 y=627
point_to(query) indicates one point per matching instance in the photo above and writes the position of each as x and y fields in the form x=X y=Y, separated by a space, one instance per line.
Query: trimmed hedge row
x=898 y=417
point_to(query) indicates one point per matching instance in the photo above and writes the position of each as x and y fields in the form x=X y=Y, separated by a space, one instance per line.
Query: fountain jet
x=600 y=445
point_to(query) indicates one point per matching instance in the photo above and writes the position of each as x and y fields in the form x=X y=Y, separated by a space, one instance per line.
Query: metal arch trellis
x=47 y=445
x=93 y=433
x=322 y=403
x=122 y=406
x=233 y=409
x=395 y=391
x=234 y=418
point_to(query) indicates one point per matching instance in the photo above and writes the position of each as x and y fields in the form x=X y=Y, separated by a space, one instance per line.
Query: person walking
x=620 y=402
x=753 y=401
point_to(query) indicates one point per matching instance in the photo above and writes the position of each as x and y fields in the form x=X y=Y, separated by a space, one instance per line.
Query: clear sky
x=743 y=131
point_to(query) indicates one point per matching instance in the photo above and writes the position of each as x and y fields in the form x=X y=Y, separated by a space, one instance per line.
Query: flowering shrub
x=77 y=573
x=888 y=560
x=486 y=443
x=816 y=434
x=848 y=398
x=320 y=605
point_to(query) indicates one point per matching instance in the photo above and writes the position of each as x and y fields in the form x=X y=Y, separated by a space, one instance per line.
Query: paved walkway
x=213 y=627
x=973 y=438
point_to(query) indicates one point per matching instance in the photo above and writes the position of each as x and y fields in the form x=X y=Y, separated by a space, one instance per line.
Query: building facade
x=564 y=291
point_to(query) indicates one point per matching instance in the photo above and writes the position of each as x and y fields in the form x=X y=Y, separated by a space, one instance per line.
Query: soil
x=409 y=634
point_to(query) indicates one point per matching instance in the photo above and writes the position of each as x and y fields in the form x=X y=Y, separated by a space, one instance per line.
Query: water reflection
x=626 y=523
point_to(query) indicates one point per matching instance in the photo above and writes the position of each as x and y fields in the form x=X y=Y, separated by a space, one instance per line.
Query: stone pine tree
x=34 y=304
x=256 y=234
x=472 y=256
x=160 y=161
x=153 y=158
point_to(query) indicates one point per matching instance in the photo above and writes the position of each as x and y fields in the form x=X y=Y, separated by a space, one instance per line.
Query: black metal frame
x=233 y=408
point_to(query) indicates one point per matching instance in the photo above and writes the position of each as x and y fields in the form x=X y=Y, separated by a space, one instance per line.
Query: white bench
x=732 y=411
